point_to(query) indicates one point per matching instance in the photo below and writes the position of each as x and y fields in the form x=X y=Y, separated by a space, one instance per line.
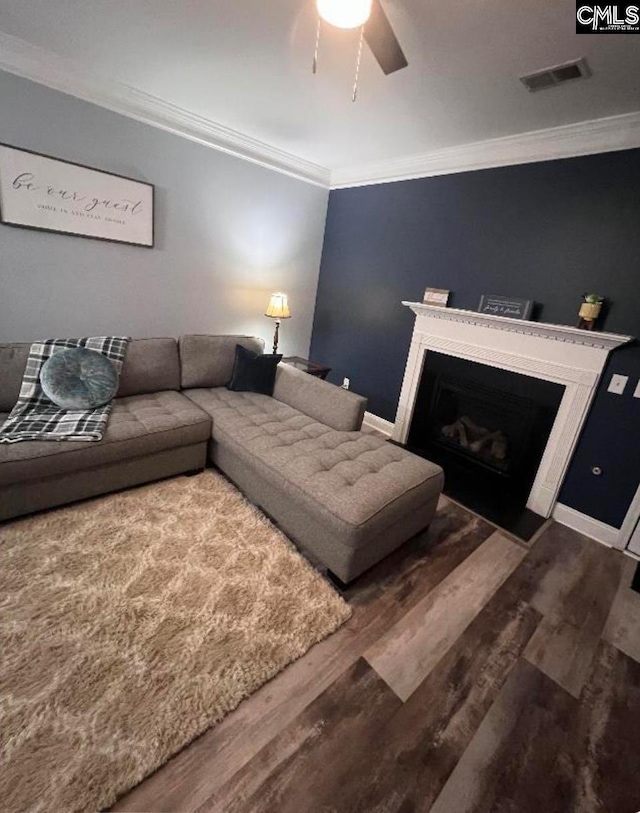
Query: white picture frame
x=50 y=194
x=438 y=297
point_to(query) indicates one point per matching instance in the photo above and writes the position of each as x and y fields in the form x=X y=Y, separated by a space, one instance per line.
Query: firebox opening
x=488 y=429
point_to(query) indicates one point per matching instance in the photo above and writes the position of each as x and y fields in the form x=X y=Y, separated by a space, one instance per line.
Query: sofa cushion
x=13 y=360
x=340 y=409
x=254 y=372
x=353 y=475
x=151 y=365
x=139 y=425
x=207 y=361
x=79 y=378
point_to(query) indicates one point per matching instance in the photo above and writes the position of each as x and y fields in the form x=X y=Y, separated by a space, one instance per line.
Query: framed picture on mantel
x=510 y=306
x=49 y=194
x=439 y=297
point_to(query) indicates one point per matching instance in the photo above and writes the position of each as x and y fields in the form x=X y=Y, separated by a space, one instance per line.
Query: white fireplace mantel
x=565 y=355
x=558 y=333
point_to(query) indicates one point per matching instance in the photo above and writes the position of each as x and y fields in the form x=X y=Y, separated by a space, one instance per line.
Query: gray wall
x=228 y=233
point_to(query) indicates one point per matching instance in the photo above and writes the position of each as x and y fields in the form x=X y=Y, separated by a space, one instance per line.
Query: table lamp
x=277 y=309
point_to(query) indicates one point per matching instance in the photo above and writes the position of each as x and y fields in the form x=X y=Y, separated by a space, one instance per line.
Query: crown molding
x=69 y=76
x=569 y=141
x=73 y=78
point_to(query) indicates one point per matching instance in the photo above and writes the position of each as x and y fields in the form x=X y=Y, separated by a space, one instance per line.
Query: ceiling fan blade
x=382 y=41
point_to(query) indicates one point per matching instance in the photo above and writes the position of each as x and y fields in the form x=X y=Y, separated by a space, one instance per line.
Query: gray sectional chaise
x=348 y=497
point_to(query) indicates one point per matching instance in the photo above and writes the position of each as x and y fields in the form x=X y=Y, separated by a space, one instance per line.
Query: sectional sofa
x=346 y=496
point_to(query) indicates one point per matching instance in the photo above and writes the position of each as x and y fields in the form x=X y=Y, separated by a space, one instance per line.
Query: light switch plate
x=636 y=394
x=617 y=383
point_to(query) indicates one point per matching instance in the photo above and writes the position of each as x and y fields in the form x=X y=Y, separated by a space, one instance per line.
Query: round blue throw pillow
x=79 y=378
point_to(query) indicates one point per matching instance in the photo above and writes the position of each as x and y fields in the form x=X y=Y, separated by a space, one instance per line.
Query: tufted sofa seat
x=154 y=431
x=346 y=496
x=139 y=425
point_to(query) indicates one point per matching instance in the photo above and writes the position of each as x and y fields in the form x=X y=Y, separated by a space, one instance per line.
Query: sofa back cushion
x=13 y=360
x=340 y=409
x=151 y=365
x=207 y=361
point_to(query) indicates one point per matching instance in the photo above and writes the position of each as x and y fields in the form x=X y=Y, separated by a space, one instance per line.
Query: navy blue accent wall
x=610 y=440
x=546 y=231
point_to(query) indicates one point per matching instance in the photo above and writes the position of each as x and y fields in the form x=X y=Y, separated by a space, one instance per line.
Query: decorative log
x=470 y=435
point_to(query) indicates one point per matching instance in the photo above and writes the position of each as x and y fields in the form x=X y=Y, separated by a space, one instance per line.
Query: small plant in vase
x=590 y=311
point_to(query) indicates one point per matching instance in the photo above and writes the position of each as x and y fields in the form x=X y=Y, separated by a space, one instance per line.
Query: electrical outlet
x=346 y=383
x=617 y=384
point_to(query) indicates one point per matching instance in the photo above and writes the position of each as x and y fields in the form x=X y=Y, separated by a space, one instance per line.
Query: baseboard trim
x=379 y=424
x=600 y=531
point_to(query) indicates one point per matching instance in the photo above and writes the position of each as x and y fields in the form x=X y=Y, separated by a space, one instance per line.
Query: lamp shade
x=344 y=13
x=278 y=307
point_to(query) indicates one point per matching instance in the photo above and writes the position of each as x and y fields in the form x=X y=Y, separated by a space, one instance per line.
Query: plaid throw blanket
x=35 y=417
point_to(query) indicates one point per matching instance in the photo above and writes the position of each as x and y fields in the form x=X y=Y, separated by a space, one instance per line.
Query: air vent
x=558 y=75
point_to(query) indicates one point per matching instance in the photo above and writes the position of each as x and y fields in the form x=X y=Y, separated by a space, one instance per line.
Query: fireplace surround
x=556 y=354
x=488 y=429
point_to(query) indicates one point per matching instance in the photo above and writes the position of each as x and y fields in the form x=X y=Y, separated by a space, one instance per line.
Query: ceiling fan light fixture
x=345 y=13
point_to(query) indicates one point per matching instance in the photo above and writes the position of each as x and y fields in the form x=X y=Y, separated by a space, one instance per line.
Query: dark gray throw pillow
x=254 y=372
x=79 y=378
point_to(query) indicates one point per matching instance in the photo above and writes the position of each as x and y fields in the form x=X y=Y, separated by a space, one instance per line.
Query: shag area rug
x=130 y=624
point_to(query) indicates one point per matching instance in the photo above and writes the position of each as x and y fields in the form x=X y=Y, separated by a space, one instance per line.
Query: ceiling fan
x=375 y=29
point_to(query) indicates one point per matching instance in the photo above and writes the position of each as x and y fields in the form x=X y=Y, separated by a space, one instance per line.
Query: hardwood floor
x=476 y=675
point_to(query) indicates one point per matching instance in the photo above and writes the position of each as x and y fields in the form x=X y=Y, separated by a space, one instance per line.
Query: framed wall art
x=513 y=307
x=436 y=296
x=49 y=194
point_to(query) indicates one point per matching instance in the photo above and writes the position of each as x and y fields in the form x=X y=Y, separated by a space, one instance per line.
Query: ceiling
x=246 y=65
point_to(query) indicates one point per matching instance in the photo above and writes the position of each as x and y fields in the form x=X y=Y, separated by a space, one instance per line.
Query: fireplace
x=488 y=428
x=504 y=400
